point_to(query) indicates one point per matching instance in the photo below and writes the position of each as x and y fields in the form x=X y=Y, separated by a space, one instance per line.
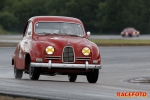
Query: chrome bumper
x=63 y=65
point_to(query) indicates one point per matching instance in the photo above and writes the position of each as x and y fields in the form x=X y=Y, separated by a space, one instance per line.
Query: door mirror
x=88 y=33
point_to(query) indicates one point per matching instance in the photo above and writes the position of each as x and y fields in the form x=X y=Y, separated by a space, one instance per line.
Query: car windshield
x=59 y=28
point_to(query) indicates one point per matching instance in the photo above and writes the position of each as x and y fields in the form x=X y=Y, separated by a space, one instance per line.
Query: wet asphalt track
x=121 y=68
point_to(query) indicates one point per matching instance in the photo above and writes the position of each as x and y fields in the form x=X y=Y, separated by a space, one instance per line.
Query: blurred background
x=99 y=16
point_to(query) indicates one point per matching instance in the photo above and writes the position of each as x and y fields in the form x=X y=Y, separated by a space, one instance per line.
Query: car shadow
x=41 y=80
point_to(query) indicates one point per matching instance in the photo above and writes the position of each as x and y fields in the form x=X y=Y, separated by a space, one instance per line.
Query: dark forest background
x=98 y=16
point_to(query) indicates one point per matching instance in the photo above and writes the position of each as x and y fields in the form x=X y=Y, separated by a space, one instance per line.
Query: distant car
x=54 y=45
x=129 y=32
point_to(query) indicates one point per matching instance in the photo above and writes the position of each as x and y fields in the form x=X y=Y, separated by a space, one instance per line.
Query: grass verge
x=100 y=42
x=6 y=97
x=120 y=42
x=8 y=44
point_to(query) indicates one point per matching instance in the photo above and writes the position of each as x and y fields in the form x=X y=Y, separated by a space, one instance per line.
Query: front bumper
x=63 y=65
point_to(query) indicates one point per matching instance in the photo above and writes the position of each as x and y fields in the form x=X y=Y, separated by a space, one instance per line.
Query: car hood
x=61 y=41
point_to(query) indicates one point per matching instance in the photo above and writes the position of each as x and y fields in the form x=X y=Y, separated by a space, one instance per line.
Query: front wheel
x=34 y=73
x=92 y=77
x=72 y=78
x=123 y=36
x=18 y=73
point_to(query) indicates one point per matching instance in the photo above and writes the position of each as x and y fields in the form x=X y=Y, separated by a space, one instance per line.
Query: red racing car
x=129 y=32
x=54 y=45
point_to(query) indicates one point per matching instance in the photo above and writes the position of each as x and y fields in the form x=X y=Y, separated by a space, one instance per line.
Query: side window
x=29 y=29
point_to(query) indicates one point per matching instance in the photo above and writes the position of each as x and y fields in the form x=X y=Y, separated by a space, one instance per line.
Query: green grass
x=100 y=42
x=11 y=38
x=120 y=42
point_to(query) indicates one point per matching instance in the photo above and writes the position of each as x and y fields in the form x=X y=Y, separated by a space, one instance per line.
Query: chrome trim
x=86 y=65
x=52 y=57
x=73 y=53
x=62 y=65
x=83 y=58
x=49 y=64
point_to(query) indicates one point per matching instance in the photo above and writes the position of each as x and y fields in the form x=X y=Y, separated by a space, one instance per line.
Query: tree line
x=98 y=16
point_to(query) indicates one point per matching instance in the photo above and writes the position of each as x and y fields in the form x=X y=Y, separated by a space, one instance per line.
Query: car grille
x=68 y=55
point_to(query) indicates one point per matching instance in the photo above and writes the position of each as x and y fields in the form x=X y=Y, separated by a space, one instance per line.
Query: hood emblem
x=68 y=43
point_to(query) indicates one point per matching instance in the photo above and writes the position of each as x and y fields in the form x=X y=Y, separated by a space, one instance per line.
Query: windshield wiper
x=45 y=33
x=74 y=35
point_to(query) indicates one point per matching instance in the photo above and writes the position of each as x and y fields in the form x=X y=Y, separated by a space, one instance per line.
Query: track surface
x=120 y=65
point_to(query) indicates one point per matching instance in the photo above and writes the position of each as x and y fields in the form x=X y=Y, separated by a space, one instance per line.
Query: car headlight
x=49 y=50
x=86 y=51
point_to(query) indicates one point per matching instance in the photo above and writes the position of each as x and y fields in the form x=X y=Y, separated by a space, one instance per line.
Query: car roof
x=55 y=19
x=129 y=28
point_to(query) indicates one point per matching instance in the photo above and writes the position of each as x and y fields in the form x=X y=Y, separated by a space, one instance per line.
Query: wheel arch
x=27 y=60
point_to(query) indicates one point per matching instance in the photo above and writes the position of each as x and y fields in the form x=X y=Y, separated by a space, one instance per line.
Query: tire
x=130 y=35
x=72 y=78
x=18 y=73
x=34 y=73
x=92 y=77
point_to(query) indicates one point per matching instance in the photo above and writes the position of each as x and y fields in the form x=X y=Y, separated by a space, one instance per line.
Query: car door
x=22 y=50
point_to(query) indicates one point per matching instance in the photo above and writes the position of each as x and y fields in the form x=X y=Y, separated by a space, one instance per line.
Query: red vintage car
x=54 y=45
x=129 y=32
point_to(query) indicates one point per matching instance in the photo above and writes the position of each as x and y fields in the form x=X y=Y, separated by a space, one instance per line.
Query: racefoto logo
x=131 y=94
